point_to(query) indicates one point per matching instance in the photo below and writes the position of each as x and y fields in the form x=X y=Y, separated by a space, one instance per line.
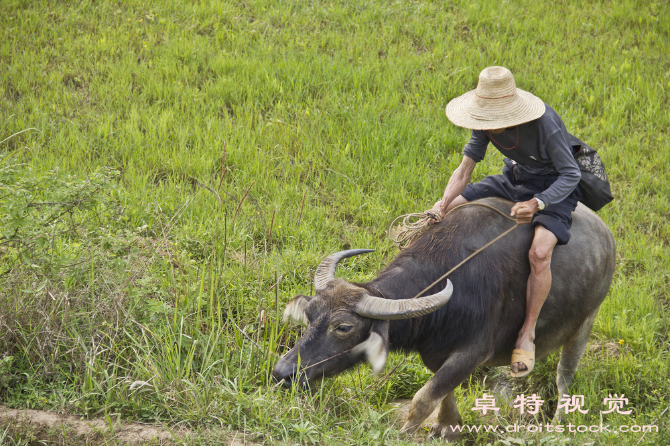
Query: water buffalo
x=350 y=322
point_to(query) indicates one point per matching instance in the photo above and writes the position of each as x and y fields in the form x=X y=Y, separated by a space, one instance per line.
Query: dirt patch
x=39 y=427
x=35 y=426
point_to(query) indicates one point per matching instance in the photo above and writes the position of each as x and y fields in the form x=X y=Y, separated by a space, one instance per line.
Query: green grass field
x=171 y=174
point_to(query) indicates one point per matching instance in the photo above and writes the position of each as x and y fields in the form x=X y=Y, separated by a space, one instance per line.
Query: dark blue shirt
x=542 y=147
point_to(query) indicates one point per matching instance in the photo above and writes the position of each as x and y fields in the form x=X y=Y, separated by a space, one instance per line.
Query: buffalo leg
x=454 y=370
x=570 y=356
x=447 y=418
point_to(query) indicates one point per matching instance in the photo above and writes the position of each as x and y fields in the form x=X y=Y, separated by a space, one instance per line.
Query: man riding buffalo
x=479 y=325
x=540 y=176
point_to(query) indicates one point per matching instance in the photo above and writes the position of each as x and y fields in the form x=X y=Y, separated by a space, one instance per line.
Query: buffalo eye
x=344 y=328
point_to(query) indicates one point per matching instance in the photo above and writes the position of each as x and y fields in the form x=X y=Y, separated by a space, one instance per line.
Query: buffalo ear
x=295 y=310
x=376 y=347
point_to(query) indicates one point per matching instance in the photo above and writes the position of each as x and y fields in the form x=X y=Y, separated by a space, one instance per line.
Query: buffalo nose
x=284 y=371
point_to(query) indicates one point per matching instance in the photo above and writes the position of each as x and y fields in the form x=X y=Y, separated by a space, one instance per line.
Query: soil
x=38 y=425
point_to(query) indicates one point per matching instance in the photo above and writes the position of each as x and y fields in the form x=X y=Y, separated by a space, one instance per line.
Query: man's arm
x=455 y=186
x=560 y=152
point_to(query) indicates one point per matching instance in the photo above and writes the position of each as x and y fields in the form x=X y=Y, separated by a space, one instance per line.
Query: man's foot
x=523 y=359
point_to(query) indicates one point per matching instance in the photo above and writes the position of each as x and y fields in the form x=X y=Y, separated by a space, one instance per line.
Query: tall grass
x=199 y=160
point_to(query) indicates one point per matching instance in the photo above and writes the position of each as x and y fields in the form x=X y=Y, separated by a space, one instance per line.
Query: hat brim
x=465 y=111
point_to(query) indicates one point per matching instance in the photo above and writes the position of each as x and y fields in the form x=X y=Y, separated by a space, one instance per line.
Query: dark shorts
x=515 y=185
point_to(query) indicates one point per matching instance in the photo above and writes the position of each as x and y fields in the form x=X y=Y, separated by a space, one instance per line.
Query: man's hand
x=524 y=211
x=437 y=210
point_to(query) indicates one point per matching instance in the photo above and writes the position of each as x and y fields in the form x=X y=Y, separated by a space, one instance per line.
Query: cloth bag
x=594 y=186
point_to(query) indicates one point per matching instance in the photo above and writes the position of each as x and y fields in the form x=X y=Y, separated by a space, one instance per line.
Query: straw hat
x=495 y=104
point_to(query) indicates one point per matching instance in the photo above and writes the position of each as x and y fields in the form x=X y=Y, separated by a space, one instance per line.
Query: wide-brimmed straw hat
x=495 y=104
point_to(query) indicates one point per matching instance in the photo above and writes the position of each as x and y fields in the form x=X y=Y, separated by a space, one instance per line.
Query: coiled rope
x=407 y=231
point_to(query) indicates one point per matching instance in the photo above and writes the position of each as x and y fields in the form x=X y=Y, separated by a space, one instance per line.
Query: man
x=540 y=176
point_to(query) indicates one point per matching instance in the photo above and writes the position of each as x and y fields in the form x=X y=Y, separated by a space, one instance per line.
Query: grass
x=201 y=159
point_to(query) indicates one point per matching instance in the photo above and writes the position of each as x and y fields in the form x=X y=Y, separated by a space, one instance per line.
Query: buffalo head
x=345 y=325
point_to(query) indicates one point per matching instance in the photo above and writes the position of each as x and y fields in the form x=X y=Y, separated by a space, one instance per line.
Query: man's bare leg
x=539 y=284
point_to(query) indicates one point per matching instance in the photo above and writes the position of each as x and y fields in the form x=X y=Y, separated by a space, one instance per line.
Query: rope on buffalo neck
x=409 y=232
x=406 y=231
x=402 y=235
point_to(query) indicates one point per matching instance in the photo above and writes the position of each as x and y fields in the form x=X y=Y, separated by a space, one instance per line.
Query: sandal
x=525 y=357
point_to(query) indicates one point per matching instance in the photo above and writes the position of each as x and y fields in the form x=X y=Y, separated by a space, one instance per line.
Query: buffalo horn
x=326 y=270
x=389 y=309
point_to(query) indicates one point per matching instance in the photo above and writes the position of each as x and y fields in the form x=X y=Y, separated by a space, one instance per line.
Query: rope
x=408 y=231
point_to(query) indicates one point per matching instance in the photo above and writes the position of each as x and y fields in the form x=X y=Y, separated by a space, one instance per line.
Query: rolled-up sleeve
x=559 y=150
x=476 y=148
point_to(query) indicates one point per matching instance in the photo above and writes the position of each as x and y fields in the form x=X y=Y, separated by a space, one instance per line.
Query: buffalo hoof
x=409 y=429
x=445 y=432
